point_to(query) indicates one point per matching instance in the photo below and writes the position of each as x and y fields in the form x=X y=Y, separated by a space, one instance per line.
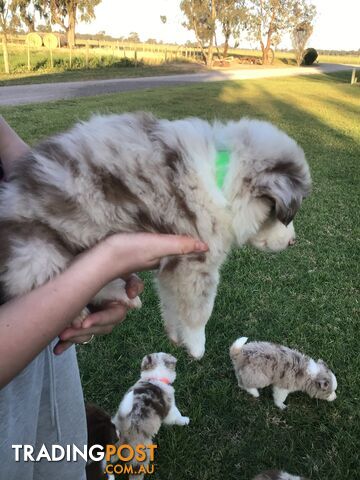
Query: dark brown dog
x=101 y=431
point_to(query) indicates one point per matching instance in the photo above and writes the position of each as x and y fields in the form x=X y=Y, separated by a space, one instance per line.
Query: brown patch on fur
x=147 y=121
x=55 y=201
x=200 y=257
x=55 y=152
x=292 y=170
x=145 y=223
x=26 y=230
x=150 y=397
x=115 y=190
x=147 y=363
x=59 y=205
x=171 y=264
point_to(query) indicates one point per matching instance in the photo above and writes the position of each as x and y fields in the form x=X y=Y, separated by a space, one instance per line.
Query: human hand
x=133 y=252
x=100 y=322
x=127 y=253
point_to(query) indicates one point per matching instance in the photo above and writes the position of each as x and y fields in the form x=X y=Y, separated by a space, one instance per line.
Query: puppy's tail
x=122 y=419
x=237 y=346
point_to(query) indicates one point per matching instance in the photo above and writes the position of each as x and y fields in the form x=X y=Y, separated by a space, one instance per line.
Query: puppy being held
x=148 y=404
x=231 y=183
x=260 y=364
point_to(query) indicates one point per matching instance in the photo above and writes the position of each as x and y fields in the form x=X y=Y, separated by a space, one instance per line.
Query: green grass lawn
x=304 y=297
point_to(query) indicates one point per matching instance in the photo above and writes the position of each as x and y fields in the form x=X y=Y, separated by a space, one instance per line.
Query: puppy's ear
x=284 y=184
x=147 y=363
x=170 y=362
x=321 y=362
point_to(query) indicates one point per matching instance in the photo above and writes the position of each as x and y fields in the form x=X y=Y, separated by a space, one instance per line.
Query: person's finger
x=61 y=347
x=134 y=286
x=162 y=245
x=73 y=335
x=110 y=316
x=71 y=338
x=77 y=322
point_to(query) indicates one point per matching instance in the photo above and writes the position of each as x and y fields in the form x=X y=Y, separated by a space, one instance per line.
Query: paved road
x=46 y=92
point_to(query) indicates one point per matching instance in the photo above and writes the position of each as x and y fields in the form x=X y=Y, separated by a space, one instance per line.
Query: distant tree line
x=264 y=21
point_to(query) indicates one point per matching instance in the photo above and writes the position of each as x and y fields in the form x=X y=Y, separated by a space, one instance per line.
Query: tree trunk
x=226 y=46
x=71 y=27
x=5 y=53
x=265 y=56
x=209 y=56
x=266 y=49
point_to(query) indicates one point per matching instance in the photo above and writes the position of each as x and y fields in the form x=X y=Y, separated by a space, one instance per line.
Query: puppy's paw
x=253 y=392
x=282 y=406
x=132 y=302
x=184 y=421
x=194 y=341
x=77 y=322
x=197 y=354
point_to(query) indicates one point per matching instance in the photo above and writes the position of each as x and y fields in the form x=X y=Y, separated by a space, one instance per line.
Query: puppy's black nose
x=292 y=242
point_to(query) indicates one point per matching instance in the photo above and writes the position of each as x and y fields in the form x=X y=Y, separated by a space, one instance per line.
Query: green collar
x=221 y=166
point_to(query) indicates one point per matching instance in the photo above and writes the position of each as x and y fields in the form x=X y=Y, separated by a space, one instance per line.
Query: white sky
x=337 y=25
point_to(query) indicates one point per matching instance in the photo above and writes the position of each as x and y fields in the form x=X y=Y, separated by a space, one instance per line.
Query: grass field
x=304 y=297
x=102 y=64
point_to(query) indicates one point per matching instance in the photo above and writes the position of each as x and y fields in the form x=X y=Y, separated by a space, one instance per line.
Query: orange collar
x=163 y=380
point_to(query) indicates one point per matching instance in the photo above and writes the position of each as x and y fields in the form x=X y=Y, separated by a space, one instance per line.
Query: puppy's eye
x=170 y=365
x=323 y=384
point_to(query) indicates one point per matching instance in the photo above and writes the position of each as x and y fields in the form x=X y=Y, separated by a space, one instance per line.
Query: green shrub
x=310 y=55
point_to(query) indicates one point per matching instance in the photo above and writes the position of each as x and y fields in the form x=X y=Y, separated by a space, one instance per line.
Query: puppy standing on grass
x=149 y=403
x=260 y=364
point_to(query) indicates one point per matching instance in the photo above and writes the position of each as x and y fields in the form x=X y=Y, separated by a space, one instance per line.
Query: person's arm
x=12 y=146
x=30 y=322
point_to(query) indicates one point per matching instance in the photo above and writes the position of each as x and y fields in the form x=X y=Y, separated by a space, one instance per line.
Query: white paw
x=253 y=392
x=134 y=302
x=196 y=351
x=282 y=406
x=195 y=346
x=184 y=421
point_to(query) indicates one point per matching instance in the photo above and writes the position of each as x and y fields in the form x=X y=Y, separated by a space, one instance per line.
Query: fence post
x=353 y=76
x=51 y=58
x=28 y=57
x=70 y=56
x=87 y=54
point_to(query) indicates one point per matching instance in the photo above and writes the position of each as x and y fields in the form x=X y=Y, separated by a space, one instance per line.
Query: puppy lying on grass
x=232 y=183
x=148 y=404
x=260 y=364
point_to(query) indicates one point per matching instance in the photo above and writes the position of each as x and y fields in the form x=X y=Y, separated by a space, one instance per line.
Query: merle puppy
x=133 y=173
x=149 y=403
x=260 y=364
